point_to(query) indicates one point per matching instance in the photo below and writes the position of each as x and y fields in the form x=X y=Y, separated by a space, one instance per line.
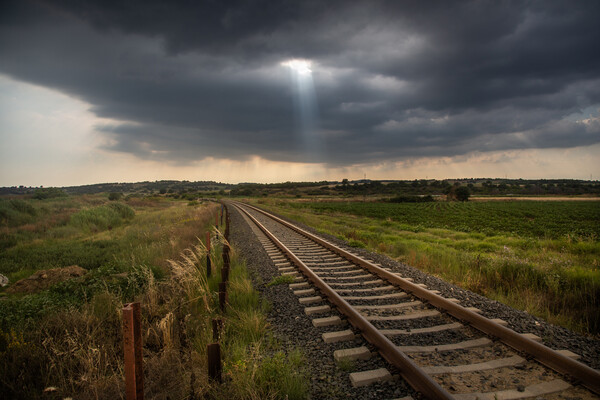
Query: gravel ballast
x=294 y=329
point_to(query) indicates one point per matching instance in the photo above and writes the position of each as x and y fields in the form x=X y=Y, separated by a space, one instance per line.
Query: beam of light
x=302 y=67
x=305 y=107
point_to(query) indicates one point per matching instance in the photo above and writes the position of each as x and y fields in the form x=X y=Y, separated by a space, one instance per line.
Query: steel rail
x=413 y=374
x=582 y=373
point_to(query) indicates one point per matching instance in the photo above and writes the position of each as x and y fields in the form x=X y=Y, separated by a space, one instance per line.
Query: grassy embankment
x=69 y=336
x=542 y=257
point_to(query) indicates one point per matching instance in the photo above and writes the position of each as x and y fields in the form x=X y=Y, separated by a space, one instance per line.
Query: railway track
x=443 y=350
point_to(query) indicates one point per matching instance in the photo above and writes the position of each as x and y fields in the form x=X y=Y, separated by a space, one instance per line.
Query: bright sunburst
x=302 y=67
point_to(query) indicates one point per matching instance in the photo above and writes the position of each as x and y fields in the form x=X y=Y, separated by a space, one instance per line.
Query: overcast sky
x=106 y=91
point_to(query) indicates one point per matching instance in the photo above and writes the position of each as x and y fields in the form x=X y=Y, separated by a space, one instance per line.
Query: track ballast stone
x=294 y=329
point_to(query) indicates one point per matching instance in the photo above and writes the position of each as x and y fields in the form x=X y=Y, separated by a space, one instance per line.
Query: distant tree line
x=364 y=187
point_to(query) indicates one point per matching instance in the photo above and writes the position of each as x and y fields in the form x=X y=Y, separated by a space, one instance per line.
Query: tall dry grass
x=78 y=352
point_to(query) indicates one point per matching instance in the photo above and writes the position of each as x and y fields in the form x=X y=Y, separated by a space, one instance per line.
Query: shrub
x=103 y=217
x=113 y=196
x=16 y=212
x=23 y=207
x=124 y=210
x=48 y=193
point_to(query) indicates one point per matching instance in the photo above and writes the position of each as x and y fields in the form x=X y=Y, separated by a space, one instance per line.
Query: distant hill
x=420 y=187
x=138 y=187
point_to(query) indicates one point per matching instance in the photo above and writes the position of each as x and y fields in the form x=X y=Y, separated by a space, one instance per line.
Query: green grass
x=494 y=248
x=141 y=234
x=69 y=336
x=254 y=364
x=88 y=254
x=102 y=218
x=281 y=280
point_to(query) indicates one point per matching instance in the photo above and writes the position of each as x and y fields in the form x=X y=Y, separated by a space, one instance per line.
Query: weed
x=346 y=364
x=356 y=243
x=281 y=280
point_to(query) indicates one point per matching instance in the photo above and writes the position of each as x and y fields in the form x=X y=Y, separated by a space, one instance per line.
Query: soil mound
x=45 y=278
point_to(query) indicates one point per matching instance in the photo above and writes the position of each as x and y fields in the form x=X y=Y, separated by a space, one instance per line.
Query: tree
x=462 y=193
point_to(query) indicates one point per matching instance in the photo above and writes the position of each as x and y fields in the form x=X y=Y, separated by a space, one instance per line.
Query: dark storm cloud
x=186 y=80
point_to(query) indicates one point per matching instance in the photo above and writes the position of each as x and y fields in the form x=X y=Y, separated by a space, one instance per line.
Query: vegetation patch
x=89 y=254
x=103 y=217
x=281 y=280
x=68 y=335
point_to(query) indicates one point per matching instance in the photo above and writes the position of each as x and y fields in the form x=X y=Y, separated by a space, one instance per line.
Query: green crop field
x=542 y=257
x=538 y=219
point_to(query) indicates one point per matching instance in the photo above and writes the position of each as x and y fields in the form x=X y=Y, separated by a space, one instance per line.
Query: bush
x=113 y=196
x=103 y=217
x=23 y=207
x=48 y=193
x=16 y=212
x=123 y=210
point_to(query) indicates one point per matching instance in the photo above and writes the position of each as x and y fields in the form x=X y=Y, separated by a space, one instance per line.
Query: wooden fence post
x=132 y=348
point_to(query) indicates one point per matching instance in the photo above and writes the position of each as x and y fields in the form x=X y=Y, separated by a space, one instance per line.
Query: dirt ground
x=43 y=279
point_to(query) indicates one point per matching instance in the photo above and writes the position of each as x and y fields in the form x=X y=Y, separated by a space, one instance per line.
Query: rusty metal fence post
x=227 y=223
x=217 y=327
x=222 y=295
x=214 y=362
x=132 y=348
x=208 y=254
x=225 y=269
